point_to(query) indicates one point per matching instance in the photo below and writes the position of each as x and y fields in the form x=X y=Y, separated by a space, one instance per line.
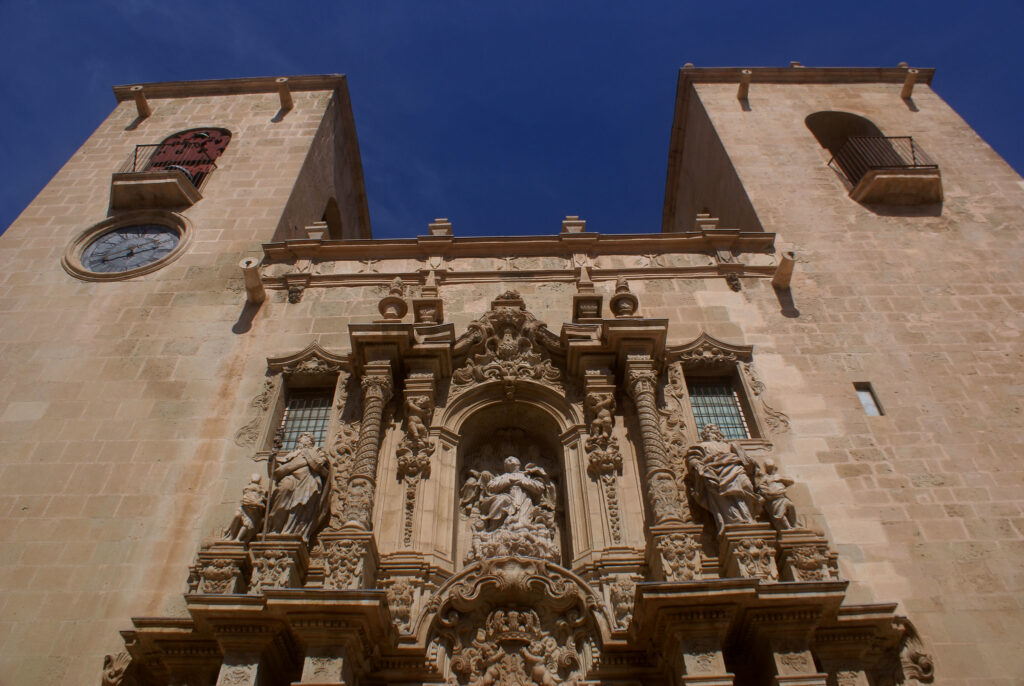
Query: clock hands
x=131 y=251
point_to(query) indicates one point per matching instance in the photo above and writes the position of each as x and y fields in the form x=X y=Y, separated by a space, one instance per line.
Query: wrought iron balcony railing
x=861 y=154
x=191 y=159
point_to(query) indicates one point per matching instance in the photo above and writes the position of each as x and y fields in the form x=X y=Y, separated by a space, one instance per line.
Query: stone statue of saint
x=772 y=487
x=722 y=479
x=299 y=500
x=513 y=512
x=248 y=517
x=508 y=498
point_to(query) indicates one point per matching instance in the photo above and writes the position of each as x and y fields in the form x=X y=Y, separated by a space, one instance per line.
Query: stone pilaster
x=278 y=561
x=805 y=556
x=254 y=652
x=350 y=560
x=662 y=492
x=748 y=551
x=794 y=664
x=220 y=568
x=377 y=388
x=415 y=451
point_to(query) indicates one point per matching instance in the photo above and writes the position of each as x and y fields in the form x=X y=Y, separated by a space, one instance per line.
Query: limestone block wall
x=924 y=503
x=115 y=414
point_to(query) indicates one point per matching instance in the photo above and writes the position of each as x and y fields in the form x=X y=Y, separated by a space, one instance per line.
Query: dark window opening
x=717 y=401
x=305 y=411
x=868 y=399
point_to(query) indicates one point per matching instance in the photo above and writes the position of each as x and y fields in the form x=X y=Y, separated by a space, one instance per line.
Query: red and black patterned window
x=192 y=152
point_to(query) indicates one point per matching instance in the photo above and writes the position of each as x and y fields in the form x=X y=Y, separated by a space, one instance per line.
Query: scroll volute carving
x=514 y=621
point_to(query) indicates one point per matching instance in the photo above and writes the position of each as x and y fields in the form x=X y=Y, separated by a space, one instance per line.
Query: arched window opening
x=192 y=152
x=332 y=215
x=879 y=168
x=510 y=495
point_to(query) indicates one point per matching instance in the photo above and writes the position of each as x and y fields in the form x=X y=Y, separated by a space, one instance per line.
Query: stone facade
x=513 y=485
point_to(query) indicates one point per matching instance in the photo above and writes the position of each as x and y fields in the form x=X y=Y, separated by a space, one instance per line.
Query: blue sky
x=503 y=117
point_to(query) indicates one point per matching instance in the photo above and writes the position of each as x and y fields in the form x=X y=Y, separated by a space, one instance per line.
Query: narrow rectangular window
x=715 y=401
x=305 y=411
x=868 y=399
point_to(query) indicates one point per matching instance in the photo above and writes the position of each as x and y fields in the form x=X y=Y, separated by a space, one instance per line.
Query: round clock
x=127 y=245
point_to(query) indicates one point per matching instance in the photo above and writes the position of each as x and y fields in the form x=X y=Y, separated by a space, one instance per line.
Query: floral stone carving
x=604 y=460
x=755 y=558
x=680 y=557
x=413 y=455
x=505 y=344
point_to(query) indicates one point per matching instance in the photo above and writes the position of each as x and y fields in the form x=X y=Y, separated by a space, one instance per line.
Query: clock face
x=129 y=247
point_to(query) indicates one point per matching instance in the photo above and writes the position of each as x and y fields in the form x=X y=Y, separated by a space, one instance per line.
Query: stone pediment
x=707 y=352
x=308 y=364
x=506 y=344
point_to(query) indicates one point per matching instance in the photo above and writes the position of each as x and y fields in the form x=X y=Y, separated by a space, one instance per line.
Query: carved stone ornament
x=343 y=562
x=513 y=621
x=237 y=675
x=624 y=303
x=621 y=597
x=707 y=352
x=377 y=388
x=512 y=512
x=114 y=668
x=401 y=594
x=809 y=563
x=755 y=559
x=673 y=429
x=393 y=306
x=721 y=479
x=913 y=664
x=413 y=456
x=604 y=460
x=218 y=576
x=776 y=421
x=343 y=455
x=250 y=433
x=507 y=344
x=662 y=492
x=680 y=557
x=271 y=569
x=248 y=519
x=298 y=502
x=311 y=362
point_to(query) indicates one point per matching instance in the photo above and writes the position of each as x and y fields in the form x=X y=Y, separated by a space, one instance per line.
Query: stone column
x=377 y=390
x=662 y=492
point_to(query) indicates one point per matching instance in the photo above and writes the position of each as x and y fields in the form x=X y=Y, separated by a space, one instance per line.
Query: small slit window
x=716 y=401
x=305 y=411
x=868 y=399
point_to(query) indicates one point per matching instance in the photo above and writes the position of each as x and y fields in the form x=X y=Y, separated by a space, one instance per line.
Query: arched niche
x=833 y=129
x=332 y=215
x=536 y=426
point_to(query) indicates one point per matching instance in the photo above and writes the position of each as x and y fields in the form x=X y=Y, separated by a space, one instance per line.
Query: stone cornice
x=689 y=75
x=262 y=84
x=517 y=246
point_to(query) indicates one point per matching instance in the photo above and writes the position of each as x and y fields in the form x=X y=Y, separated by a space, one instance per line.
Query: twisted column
x=662 y=492
x=377 y=390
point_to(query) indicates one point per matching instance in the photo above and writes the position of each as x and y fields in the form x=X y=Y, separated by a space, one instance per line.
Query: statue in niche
x=722 y=479
x=511 y=513
x=772 y=486
x=298 y=502
x=248 y=517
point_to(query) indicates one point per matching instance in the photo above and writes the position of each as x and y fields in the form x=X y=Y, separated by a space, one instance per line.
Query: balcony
x=165 y=175
x=891 y=170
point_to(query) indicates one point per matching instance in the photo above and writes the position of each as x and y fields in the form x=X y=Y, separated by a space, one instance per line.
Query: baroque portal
x=512 y=506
